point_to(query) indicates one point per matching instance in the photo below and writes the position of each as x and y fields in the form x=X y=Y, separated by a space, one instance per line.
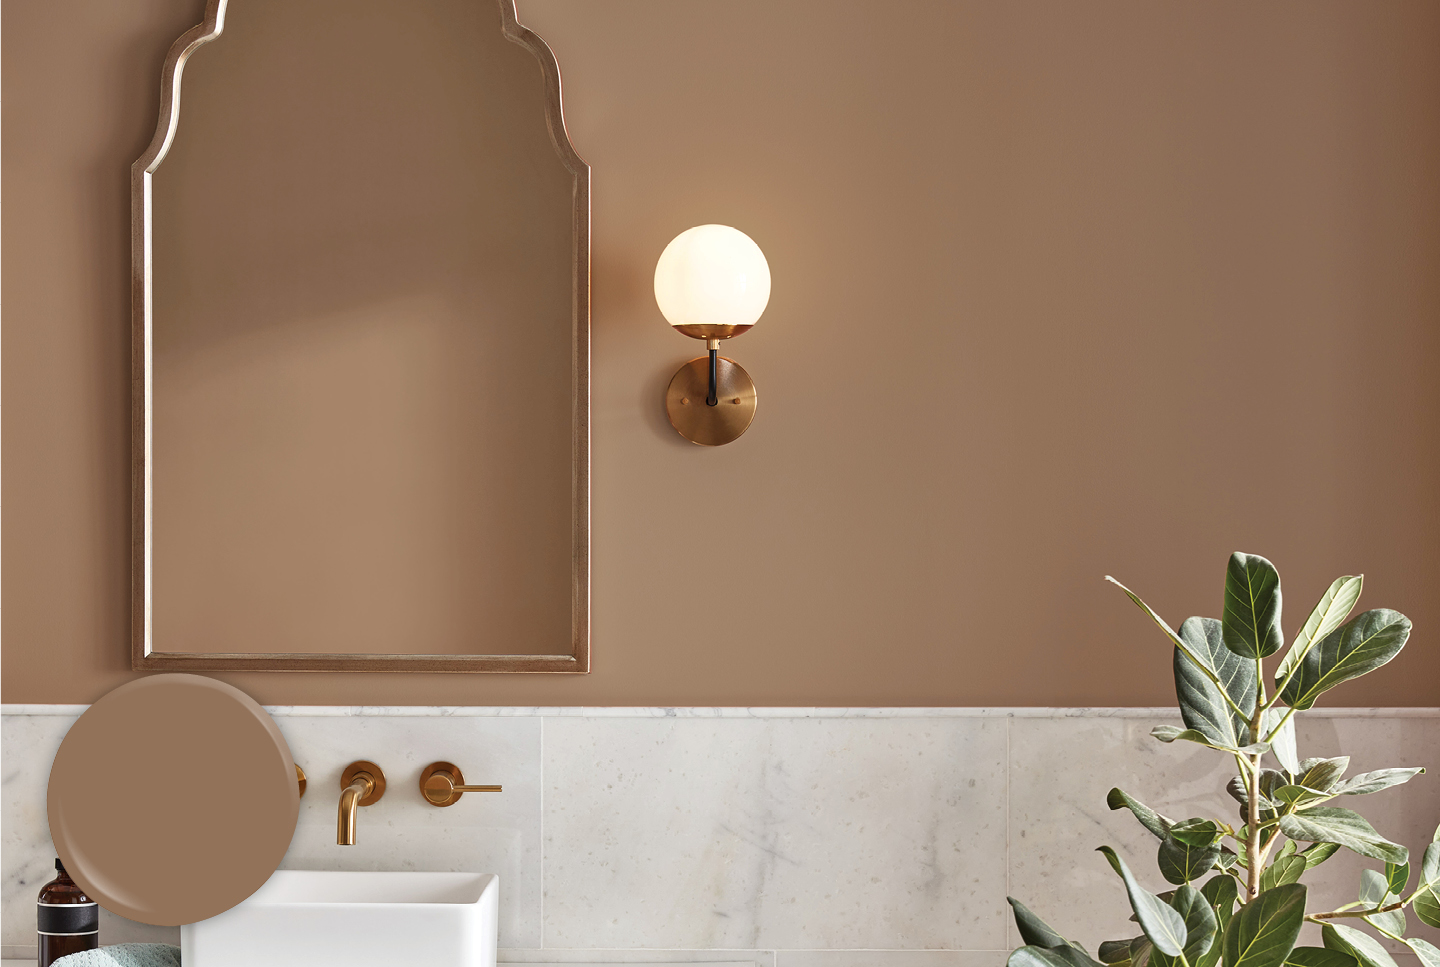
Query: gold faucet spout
x=361 y=785
x=350 y=798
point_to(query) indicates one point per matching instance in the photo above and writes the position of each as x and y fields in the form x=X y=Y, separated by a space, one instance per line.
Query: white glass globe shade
x=712 y=281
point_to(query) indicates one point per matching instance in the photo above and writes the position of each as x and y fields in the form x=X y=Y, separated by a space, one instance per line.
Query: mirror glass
x=364 y=305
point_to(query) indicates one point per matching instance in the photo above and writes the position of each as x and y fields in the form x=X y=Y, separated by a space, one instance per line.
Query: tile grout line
x=1009 y=724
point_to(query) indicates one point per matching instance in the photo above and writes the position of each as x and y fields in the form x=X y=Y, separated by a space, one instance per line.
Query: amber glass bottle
x=68 y=921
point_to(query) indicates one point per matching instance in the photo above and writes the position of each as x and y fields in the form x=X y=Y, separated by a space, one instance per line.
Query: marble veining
x=882 y=833
x=790 y=837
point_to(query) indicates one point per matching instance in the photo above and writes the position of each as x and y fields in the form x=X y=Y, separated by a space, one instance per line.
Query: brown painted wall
x=1061 y=290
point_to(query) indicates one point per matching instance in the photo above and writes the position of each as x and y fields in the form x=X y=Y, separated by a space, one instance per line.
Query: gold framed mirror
x=360 y=346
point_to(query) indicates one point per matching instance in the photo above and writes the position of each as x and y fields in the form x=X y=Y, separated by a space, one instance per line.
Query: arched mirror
x=361 y=346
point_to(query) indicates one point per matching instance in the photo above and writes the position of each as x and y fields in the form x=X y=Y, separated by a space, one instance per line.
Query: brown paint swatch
x=172 y=799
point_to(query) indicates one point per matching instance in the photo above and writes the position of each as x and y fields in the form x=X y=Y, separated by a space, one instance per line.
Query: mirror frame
x=144 y=657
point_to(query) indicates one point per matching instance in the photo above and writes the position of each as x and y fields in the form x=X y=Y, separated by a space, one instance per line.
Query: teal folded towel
x=124 y=955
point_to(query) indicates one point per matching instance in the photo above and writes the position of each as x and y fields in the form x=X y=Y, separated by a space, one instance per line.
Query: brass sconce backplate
x=711 y=426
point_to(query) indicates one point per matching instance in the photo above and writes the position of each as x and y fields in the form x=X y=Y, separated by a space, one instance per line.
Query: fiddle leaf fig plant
x=1237 y=896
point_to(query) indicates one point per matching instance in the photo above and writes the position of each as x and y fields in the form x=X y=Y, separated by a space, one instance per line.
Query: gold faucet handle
x=442 y=784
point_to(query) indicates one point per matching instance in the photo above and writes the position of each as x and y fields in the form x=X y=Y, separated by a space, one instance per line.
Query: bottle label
x=68 y=919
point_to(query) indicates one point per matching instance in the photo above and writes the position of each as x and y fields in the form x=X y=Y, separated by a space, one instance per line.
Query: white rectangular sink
x=302 y=918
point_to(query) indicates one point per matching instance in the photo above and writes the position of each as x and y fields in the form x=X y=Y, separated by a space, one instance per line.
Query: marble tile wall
x=772 y=837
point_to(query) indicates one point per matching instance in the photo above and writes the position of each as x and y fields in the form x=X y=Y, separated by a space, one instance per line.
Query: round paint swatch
x=172 y=799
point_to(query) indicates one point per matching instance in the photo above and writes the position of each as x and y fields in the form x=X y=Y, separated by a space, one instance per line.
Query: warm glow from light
x=712 y=275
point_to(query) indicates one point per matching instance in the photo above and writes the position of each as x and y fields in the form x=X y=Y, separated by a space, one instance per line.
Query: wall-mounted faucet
x=361 y=784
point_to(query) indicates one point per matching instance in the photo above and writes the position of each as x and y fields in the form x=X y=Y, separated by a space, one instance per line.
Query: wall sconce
x=712 y=282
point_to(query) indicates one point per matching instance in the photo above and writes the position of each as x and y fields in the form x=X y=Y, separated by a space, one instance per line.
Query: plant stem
x=1252 y=840
x=1252 y=822
x=1336 y=914
x=1270 y=844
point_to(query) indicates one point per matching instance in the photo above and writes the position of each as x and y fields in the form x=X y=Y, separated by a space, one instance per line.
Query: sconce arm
x=714 y=346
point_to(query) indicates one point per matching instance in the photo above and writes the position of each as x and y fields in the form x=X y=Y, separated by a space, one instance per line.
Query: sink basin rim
x=340 y=888
x=405 y=917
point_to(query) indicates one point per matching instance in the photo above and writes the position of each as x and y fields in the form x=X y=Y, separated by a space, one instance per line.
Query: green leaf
x=1252 y=608
x=1300 y=795
x=1322 y=774
x=1263 y=933
x=1220 y=892
x=1034 y=931
x=1181 y=862
x=1430 y=864
x=1149 y=818
x=1202 y=701
x=1286 y=869
x=1319 y=957
x=1334 y=607
x=1357 y=647
x=1115 y=952
x=1270 y=780
x=1373 y=887
x=1282 y=742
x=1374 y=894
x=1391 y=923
x=1429 y=882
x=1430 y=869
x=1062 y=956
x=1164 y=927
x=1175 y=639
x=1326 y=824
x=1425 y=950
x=1169 y=733
x=1198 y=832
x=1368 y=782
x=1199 y=926
x=1141 y=949
x=1319 y=853
x=1357 y=944
x=1426 y=904
x=1397 y=875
